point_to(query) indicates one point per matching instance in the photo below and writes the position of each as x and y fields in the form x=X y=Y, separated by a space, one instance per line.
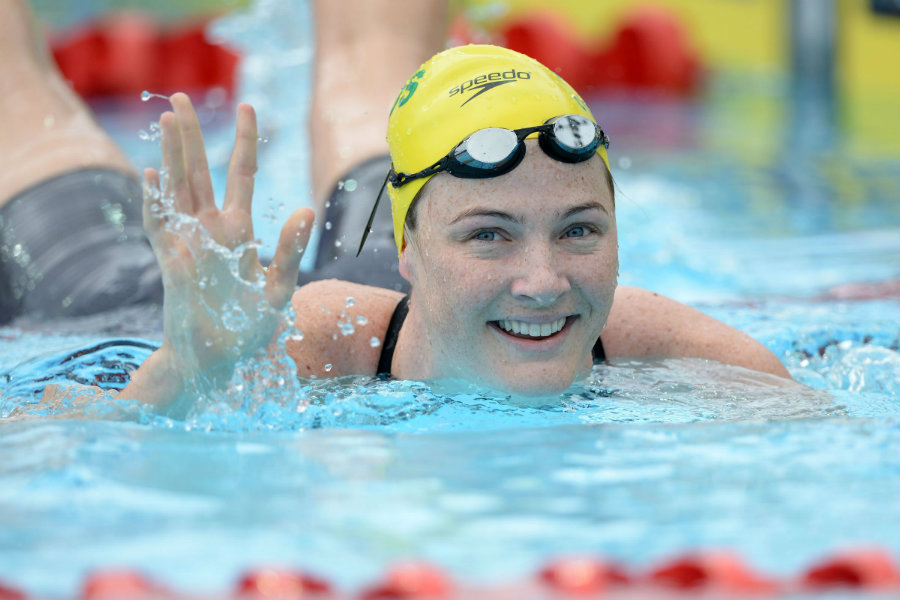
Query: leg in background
x=45 y=128
x=365 y=52
x=71 y=241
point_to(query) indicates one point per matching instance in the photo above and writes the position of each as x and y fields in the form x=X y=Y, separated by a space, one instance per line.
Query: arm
x=323 y=315
x=642 y=323
x=208 y=264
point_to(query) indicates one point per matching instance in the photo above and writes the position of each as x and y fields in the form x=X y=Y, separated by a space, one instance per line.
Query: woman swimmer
x=504 y=219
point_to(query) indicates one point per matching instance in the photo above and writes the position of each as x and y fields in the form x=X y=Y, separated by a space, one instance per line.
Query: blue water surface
x=719 y=205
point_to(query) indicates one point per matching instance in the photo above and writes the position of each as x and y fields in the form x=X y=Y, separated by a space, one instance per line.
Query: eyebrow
x=583 y=207
x=499 y=214
x=486 y=212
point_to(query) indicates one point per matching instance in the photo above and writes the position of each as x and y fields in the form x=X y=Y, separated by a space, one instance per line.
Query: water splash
x=153 y=135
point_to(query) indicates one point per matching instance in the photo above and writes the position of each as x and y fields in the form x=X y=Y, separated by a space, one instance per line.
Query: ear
x=406 y=269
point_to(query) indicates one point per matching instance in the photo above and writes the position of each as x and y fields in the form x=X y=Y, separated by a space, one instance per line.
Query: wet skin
x=491 y=257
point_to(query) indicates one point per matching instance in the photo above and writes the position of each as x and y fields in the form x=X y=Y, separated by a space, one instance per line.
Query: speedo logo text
x=487 y=82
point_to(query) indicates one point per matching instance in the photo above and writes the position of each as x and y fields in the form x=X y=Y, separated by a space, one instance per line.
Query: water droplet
x=233 y=316
x=350 y=301
x=328 y=367
x=361 y=320
x=263 y=139
x=328 y=225
x=145 y=96
x=350 y=185
x=374 y=342
x=347 y=328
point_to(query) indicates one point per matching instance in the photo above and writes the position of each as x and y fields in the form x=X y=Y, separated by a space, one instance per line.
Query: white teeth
x=532 y=329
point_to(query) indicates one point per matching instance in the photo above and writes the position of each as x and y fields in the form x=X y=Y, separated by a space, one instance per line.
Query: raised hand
x=220 y=304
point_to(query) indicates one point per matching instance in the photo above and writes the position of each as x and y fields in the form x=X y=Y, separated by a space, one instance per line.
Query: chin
x=534 y=384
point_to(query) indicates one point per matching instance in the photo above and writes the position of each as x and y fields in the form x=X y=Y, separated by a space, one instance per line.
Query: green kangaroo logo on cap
x=408 y=90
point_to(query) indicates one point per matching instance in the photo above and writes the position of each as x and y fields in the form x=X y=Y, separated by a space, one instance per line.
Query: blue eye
x=486 y=236
x=576 y=231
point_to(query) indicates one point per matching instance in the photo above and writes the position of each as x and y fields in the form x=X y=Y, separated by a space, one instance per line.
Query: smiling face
x=513 y=277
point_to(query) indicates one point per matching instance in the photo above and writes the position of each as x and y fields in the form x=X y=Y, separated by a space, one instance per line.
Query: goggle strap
x=372 y=216
x=401 y=179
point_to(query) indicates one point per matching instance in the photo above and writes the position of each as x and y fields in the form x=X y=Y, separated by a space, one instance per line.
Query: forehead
x=539 y=183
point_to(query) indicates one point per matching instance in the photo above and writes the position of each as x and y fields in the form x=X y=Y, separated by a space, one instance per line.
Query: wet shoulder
x=644 y=323
x=343 y=326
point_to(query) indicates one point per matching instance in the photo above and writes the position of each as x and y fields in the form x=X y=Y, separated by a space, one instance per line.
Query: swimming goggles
x=496 y=151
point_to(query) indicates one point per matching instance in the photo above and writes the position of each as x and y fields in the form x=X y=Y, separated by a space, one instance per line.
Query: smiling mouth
x=531 y=331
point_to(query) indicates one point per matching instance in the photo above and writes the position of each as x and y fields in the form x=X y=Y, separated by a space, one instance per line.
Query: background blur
x=850 y=47
x=745 y=133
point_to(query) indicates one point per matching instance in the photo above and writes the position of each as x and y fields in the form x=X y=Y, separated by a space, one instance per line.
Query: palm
x=220 y=304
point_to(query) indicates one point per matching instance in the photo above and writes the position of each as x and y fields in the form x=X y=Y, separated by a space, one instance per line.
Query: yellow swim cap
x=460 y=91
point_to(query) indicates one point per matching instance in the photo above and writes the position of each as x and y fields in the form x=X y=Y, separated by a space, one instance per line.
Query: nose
x=539 y=281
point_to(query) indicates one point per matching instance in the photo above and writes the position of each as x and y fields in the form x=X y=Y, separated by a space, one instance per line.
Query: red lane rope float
x=409 y=581
x=719 y=571
x=582 y=576
x=8 y=593
x=122 y=584
x=714 y=574
x=125 y=53
x=869 y=569
x=281 y=584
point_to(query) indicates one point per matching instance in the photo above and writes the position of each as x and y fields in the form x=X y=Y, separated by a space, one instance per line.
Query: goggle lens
x=486 y=148
x=576 y=133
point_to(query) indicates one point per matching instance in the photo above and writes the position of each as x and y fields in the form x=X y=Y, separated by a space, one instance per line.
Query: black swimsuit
x=393 y=332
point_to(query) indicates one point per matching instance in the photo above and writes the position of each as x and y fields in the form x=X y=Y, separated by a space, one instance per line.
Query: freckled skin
x=543 y=264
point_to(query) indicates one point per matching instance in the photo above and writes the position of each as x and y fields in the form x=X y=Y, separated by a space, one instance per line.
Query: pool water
x=734 y=202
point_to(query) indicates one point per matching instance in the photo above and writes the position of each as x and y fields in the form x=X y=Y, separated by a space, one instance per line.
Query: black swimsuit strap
x=390 y=337
x=393 y=332
x=598 y=352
